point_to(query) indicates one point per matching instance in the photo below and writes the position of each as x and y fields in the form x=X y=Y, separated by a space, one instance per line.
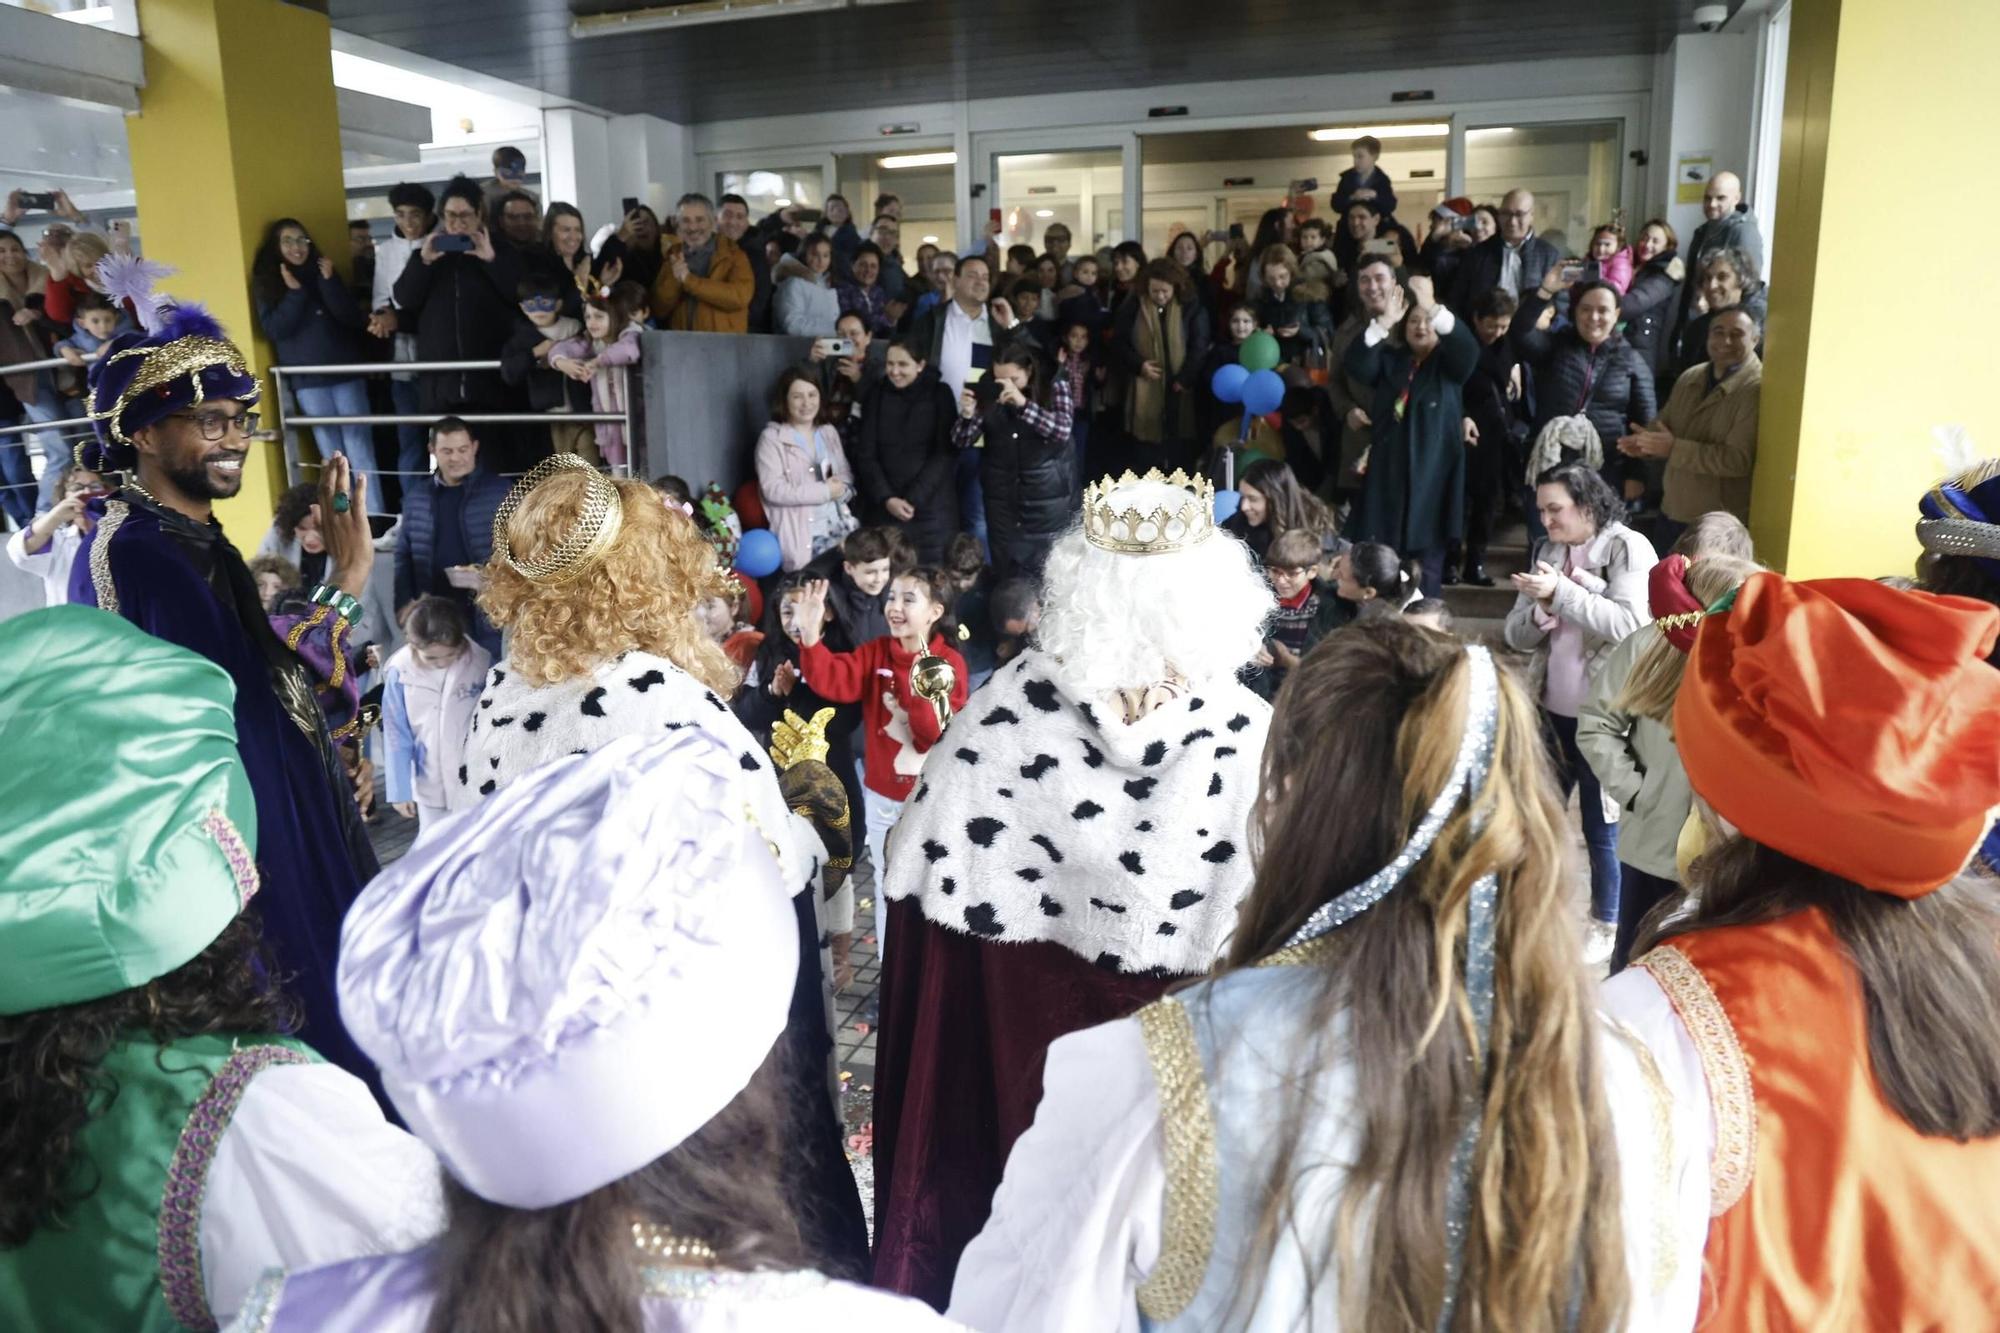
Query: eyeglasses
x=1517 y=213
x=459 y=215
x=216 y=425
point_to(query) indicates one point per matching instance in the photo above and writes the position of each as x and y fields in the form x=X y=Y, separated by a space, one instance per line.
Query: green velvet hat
x=129 y=836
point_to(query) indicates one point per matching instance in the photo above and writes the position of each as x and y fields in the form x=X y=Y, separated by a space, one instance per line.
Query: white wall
x=1713 y=82
x=653 y=159
x=576 y=163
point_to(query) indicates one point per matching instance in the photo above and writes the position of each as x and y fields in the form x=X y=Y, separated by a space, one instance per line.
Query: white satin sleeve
x=307 y=1173
x=1666 y=1136
x=1076 y=1222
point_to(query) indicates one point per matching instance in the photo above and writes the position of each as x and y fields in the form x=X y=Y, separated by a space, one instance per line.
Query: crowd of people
x=1231 y=965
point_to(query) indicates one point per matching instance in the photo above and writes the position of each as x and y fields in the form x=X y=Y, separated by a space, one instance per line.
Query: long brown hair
x=574 y=1266
x=1929 y=966
x=1544 y=1227
x=52 y=1081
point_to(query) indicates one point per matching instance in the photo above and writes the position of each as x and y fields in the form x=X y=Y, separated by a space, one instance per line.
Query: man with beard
x=173 y=414
x=1077 y=843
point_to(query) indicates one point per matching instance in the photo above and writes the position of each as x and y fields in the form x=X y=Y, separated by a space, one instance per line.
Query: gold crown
x=583 y=545
x=796 y=741
x=1132 y=533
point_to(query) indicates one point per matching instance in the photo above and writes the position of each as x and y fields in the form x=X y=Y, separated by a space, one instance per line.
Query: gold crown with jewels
x=1130 y=532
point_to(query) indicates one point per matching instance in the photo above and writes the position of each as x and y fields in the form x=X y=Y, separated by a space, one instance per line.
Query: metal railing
x=294 y=465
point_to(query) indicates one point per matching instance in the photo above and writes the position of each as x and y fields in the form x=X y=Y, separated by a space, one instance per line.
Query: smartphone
x=807 y=215
x=1381 y=245
x=993 y=216
x=1300 y=188
x=838 y=346
x=1214 y=236
x=447 y=240
x=630 y=205
x=1235 y=231
x=1572 y=270
x=37 y=203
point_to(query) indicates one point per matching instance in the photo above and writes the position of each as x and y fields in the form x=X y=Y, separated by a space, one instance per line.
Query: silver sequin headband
x=1468 y=775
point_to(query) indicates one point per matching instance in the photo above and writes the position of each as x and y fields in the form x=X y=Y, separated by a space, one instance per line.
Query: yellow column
x=1878 y=328
x=237 y=126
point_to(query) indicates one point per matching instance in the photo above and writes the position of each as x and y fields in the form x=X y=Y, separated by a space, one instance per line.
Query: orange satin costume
x=1831 y=1214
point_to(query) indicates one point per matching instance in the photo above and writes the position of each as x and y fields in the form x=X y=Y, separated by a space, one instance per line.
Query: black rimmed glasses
x=215 y=426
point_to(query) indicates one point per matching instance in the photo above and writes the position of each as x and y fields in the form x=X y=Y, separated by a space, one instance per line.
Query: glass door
x=1083 y=190
x=1572 y=169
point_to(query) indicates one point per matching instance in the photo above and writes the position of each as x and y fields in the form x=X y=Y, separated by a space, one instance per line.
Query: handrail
x=37 y=427
x=24 y=367
x=383 y=368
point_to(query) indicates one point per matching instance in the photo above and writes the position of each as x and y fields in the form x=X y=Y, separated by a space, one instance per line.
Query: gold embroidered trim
x=1306 y=954
x=115 y=513
x=1188 y=1234
x=1665 y=1264
x=1724 y=1065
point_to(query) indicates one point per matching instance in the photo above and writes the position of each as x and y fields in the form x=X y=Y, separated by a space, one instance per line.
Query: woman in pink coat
x=803 y=472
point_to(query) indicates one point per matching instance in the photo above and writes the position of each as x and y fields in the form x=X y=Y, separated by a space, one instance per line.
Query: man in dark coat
x=1413 y=493
x=1727 y=224
x=461 y=303
x=448 y=525
x=173 y=416
x=1514 y=257
x=1352 y=399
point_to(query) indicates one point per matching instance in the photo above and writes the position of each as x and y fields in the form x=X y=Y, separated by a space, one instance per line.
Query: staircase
x=1479 y=613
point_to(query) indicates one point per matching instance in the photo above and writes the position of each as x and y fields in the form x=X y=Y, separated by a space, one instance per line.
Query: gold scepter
x=933 y=678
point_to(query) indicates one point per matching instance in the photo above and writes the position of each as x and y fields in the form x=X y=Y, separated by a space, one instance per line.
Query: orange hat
x=1849 y=725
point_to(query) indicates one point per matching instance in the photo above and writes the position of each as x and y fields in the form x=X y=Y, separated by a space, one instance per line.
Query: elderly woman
x=597 y=582
x=1074 y=847
x=1728 y=279
x=1585 y=591
x=1413 y=488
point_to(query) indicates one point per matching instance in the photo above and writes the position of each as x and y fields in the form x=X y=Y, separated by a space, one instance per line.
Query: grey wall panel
x=707 y=396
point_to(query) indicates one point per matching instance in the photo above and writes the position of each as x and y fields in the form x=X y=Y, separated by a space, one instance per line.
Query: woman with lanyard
x=1413 y=476
x=1297 y=1140
x=1159 y=340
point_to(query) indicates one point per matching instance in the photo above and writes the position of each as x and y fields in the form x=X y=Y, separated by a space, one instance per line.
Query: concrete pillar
x=576 y=164
x=652 y=159
x=1713 y=82
x=228 y=139
x=1873 y=349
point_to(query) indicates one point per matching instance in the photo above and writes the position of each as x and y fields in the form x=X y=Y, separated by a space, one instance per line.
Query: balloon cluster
x=1253 y=380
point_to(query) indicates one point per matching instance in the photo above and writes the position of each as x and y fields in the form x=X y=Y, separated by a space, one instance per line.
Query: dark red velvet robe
x=966 y=1025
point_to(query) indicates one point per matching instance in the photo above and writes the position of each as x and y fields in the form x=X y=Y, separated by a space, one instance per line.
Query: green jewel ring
x=341 y=504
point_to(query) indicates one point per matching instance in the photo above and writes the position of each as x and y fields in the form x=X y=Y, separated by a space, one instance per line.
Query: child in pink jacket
x=1612 y=260
x=592 y=357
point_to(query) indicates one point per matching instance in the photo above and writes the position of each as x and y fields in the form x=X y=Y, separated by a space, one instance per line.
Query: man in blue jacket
x=447 y=530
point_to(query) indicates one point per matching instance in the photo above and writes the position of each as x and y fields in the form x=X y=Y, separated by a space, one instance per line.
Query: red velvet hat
x=1847 y=724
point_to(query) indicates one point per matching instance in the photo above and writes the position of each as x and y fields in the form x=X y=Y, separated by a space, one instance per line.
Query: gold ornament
x=165 y=364
x=933 y=679
x=1129 y=532
x=663 y=1244
x=583 y=545
x=797 y=741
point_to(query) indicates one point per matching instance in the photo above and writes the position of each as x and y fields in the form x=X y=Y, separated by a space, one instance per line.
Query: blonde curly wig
x=640 y=596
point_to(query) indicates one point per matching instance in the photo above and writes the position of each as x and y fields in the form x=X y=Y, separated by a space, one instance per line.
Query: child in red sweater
x=900 y=725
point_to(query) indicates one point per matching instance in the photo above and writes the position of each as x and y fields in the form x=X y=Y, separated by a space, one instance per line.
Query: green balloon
x=1259 y=352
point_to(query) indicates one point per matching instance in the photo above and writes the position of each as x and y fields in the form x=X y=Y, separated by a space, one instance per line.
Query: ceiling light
x=1045 y=212
x=930 y=240
x=782 y=203
x=1489 y=131
x=903 y=160
x=1342 y=132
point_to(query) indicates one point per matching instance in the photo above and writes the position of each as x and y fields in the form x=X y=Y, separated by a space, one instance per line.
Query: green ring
x=341 y=504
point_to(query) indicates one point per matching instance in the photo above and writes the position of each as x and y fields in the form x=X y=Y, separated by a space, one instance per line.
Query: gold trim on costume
x=1188 y=1232
x=583 y=545
x=1307 y=953
x=1725 y=1067
x=1665 y=1262
x=163 y=365
x=1129 y=532
x=115 y=513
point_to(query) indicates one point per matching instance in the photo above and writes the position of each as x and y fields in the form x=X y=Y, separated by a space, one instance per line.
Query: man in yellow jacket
x=706 y=283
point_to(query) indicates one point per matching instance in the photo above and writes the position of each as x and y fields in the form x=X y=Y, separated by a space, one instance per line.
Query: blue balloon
x=757 y=554
x=1263 y=392
x=1226 y=503
x=1227 y=383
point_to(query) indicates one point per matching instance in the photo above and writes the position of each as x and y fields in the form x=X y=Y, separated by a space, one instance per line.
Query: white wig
x=1118 y=621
